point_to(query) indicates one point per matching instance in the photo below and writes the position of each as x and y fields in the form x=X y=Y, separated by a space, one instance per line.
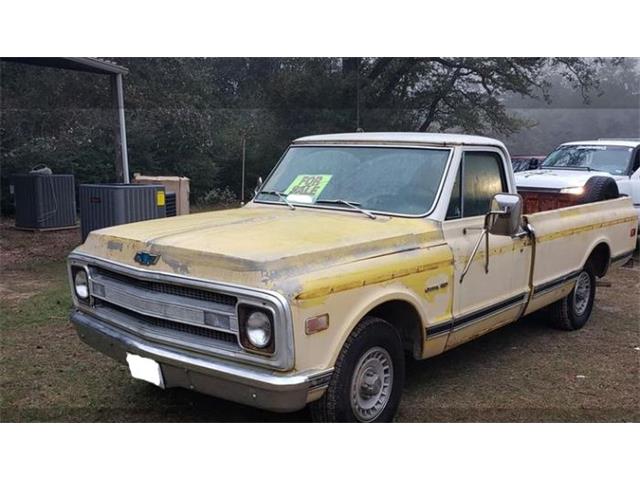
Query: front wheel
x=368 y=377
x=573 y=311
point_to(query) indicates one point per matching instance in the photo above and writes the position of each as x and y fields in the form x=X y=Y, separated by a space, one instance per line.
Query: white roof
x=442 y=139
x=610 y=143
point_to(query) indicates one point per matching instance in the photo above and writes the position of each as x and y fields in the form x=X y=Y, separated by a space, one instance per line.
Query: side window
x=479 y=179
x=483 y=178
x=636 y=161
x=455 y=204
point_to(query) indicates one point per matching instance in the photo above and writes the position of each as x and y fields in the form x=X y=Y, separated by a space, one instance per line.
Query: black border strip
x=555 y=283
x=622 y=256
x=540 y=289
x=485 y=312
x=440 y=328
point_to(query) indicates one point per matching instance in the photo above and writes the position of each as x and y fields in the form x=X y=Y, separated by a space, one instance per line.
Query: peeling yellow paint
x=267 y=247
x=372 y=274
x=480 y=256
x=586 y=228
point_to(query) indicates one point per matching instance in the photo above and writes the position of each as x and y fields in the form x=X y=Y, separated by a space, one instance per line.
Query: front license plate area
x=145 y=369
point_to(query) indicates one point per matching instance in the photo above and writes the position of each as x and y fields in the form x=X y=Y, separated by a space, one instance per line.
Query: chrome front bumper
x=257 y=387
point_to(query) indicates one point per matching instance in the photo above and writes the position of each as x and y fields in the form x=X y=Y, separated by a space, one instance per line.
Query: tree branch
x=442 y=92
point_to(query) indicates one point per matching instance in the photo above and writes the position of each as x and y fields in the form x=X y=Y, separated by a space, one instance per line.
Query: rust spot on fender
x=176 y=265
x=113 y=245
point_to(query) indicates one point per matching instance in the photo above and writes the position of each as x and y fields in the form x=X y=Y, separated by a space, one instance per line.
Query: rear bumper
x=220 y=378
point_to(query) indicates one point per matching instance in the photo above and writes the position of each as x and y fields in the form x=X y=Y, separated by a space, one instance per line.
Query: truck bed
x=565 y=237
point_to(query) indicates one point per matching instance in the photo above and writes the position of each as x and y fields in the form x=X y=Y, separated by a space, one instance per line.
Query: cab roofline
x=612 y=143
x=400 y=138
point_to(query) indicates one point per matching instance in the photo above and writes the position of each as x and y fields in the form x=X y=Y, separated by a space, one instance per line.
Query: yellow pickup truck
x=356 y=250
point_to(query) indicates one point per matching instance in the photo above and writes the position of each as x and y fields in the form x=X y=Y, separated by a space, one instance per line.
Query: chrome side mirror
x=258 y=186
x=504 y=219
x=505 y=215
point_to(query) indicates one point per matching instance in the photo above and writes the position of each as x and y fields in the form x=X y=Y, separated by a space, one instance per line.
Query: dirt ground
x=523 y=372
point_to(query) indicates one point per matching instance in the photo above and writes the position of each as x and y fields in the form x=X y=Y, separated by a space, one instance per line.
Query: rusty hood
x=259 y=246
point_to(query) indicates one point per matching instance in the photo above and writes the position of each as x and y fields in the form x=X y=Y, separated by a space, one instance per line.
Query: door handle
x=466 y=230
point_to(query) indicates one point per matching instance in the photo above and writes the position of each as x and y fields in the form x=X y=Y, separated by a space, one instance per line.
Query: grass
x=50 y=304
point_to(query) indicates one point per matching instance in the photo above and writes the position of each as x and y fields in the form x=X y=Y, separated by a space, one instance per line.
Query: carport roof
x=102 y=67
x=82 y=64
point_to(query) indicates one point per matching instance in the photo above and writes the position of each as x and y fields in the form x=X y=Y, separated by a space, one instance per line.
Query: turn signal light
x=316 y=324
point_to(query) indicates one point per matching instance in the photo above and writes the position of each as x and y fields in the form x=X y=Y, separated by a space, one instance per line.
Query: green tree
x=187 y=116
x=439 y=94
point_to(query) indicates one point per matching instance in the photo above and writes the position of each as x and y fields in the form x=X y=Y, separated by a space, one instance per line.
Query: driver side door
x=485 y=300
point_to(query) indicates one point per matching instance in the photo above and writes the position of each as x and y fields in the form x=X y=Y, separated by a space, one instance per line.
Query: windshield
x=392 y=180
x=614 y=160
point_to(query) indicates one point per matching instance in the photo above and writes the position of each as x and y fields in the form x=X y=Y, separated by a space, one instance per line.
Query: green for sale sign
x=307 y=188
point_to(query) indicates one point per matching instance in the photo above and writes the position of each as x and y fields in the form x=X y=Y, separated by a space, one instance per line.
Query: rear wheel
x=573 y=311
x=368 y=377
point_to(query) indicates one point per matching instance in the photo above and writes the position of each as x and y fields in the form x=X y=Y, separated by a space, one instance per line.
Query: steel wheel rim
x=581 y=293
x=371 y=384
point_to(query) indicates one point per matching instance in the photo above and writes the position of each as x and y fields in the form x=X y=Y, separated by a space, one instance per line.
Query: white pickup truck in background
x=584 y=172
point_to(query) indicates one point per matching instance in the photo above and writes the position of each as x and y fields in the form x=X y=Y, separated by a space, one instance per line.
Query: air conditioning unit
x=172 y=207
x=44 y=201
x=177 y=185
x=106 y=205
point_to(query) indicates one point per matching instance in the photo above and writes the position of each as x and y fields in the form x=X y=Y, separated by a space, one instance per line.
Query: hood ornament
x=146 y=258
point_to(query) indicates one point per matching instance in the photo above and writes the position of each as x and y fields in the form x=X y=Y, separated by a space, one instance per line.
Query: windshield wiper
x=281 y=196
x=354 y=205
x=571 y=167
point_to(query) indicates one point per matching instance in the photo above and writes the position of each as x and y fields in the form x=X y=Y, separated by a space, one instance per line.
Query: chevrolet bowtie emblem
x=146 y=258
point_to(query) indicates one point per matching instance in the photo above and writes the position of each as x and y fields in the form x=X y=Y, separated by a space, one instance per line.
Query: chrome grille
x=191 y=314
x=177 y=326
x=157 y=310
x=168 y=288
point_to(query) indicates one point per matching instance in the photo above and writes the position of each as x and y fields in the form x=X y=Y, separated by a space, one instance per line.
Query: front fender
x=350 y=293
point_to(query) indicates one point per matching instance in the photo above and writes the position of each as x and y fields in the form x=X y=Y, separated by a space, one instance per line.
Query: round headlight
x=258 y=328
x=81 y=284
